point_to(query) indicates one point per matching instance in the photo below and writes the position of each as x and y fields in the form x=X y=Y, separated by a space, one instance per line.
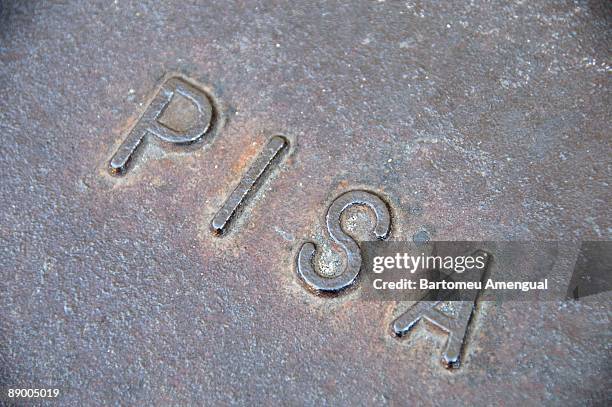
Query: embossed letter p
x=180 y=113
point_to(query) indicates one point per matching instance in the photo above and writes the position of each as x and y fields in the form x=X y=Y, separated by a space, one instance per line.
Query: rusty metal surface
x=472 y=120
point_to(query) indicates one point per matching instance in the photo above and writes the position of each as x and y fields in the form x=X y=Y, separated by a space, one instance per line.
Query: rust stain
x=247 y=154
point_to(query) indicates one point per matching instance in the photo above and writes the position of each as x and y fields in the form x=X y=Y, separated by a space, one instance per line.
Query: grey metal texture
x=472 y=120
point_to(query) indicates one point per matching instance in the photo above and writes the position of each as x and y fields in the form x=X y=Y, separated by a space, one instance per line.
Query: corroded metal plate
x=469 y=120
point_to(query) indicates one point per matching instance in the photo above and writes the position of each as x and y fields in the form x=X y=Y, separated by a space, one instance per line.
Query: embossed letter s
x=305 y=267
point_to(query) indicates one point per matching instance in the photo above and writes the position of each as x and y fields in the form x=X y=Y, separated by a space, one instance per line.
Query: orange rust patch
x=246 y=156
